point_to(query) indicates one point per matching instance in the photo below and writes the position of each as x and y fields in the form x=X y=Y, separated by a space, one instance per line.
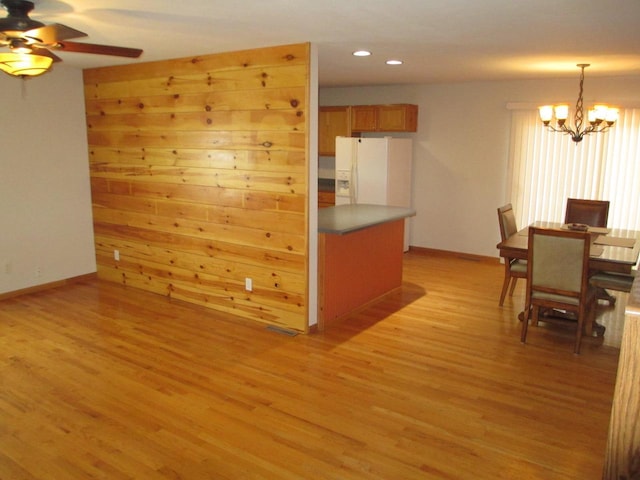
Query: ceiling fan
x=31 y=43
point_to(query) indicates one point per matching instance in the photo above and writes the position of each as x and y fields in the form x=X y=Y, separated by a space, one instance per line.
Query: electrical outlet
x=116 y=255
x=248 y=284
x=38 y=272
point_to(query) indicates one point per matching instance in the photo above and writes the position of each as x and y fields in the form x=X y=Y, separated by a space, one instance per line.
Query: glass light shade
x=562 y=112
x=20 y=64
x=601 y=111
x=546 y=112
x=612 y=115
x=592 y=116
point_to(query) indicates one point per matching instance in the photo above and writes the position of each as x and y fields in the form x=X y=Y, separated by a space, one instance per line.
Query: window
x=545 y=168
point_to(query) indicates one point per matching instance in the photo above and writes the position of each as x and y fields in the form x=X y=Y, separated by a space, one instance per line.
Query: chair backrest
x=558 y=261
x=594 y=213
x=507 y=221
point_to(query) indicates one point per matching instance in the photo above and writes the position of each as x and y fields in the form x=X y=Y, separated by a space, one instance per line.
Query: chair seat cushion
x=612 y=281
x=554 y=298
x=518 y=266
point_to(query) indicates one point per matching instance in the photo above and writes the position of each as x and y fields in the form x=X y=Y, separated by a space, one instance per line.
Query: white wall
x=462 y=145
x=45 y=197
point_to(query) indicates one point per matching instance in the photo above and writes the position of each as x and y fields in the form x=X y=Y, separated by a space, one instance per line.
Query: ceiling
x=438 y=40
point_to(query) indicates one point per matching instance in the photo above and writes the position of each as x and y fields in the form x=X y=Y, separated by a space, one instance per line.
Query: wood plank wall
x=199 y=171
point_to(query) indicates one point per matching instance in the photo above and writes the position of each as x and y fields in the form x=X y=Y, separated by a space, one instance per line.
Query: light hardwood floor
x=101 y=381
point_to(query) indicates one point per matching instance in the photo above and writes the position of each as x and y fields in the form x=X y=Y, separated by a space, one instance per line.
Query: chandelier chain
x=579 y=116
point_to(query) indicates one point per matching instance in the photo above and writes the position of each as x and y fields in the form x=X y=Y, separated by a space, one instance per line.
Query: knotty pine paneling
x=225 y=159
x=209 y=65
x=273 y=98
x=199 y=171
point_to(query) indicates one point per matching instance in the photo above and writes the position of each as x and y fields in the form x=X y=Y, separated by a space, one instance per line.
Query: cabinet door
x=364 y=118
x=397 y=118
x=326 y=199
x=332 y=122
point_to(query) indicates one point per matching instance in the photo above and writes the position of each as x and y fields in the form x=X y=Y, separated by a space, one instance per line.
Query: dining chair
x=621 y=282
x=513 y=268
x=594 y=213
x=558 y=277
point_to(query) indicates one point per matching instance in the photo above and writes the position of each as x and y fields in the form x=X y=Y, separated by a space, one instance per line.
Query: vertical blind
x=546 y=168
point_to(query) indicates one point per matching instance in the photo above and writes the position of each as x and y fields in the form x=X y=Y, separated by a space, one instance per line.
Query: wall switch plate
x=248 y=284
x=116 y=255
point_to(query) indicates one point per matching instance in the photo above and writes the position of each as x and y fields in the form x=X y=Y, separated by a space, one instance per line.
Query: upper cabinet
x=342 y=121
x=364 y=118
x=384 y=118
x=332 y=122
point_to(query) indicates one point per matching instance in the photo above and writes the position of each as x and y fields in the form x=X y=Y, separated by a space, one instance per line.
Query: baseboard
x=48 y=286
x=447 y=253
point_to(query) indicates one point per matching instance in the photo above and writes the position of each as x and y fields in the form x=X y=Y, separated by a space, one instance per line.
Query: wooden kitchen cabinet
x=326 y=199
x=341 y=121
x=384 y=118
x=332 y=122
x=398 y=118
x=364 y=118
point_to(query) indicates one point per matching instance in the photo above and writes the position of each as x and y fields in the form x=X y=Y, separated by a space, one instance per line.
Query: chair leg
x=525 y=325
x=505 y=284
x=588 y=325
x=535 y=315
x=529 y=312
x=604 y=295
x=583 y=311
x=590 y=314
x=590 y=317
x=513 y=286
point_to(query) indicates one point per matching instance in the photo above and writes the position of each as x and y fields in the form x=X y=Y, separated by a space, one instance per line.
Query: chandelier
x=600 y=117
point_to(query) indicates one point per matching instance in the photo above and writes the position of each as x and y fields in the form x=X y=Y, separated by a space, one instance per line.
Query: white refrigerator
x=375 y=171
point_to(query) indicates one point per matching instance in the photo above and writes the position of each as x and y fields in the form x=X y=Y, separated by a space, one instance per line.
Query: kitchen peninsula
x=360 y=250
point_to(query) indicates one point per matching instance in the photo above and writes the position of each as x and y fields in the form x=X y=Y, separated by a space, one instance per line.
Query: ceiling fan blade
x=46 y=53
x=98 y=49
x=50 y=34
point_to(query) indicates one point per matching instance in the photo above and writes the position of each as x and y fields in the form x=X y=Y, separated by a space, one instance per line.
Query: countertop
x=342 y=219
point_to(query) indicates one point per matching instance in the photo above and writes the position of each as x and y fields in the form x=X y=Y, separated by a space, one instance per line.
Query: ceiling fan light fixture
x=18 y=19
x=19 y=45
x=31 y=42
x=21 y=64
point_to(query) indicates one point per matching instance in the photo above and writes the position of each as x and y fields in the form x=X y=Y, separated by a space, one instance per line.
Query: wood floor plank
x=104 y=381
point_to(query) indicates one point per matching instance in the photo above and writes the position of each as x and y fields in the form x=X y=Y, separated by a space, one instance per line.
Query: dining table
x=611 y=250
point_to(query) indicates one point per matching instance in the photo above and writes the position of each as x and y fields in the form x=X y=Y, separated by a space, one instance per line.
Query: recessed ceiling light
x=394 y=62
x=361 y=53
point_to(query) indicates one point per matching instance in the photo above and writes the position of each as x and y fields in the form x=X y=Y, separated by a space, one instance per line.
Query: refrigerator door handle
x=353 y=190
